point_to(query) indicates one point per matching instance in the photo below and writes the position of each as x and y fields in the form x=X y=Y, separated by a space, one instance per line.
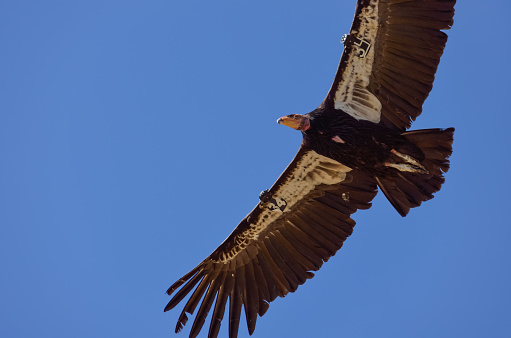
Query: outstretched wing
x=299 y=223
x=389 y=60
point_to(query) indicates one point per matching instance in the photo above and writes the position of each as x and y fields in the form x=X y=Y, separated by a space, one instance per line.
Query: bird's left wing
x=299 y=223
x=389 y=60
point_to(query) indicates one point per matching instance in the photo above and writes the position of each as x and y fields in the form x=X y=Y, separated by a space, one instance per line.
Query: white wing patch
x=352 y=95
x=312 y=170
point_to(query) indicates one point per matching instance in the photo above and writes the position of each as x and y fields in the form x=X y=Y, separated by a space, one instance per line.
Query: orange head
x=295 y=121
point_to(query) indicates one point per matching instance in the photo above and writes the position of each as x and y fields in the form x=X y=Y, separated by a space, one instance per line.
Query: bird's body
x=380 y=152
x=355 y=142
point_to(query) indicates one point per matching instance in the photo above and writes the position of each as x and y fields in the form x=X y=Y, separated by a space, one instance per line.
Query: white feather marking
x=352 y=95
x=312 y=170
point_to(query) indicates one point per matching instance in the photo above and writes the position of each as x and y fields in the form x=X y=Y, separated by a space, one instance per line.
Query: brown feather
x=235 y=301
x=225 y=282
x=251 y=304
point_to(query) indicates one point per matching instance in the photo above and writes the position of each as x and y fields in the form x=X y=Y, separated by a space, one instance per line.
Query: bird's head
x=295 y=121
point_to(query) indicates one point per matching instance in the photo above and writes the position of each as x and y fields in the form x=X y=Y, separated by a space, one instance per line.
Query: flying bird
x=354 y=143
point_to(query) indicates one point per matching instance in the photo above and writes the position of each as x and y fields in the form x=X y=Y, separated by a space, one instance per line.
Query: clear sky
x=135 y=135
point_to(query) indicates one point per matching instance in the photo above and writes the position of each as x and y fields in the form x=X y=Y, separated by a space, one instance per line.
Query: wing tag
x=277 y=204
x=274 y=204
x=362 y=45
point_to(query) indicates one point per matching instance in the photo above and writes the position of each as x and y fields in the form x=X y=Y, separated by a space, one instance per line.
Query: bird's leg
x=407 y=158
x=406 y=167
x=411 y=164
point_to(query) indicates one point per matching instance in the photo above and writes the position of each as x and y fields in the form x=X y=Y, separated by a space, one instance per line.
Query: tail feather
x=406 y=190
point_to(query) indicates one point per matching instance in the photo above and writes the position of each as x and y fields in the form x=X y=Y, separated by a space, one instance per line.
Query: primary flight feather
x=354 y=143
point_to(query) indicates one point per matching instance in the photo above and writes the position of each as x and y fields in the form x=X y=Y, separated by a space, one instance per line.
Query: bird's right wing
x=299 y=223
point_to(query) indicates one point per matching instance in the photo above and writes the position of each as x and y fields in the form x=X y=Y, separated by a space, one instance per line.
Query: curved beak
x=298 y=122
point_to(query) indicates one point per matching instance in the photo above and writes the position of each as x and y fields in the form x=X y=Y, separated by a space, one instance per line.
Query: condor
x=355 y=142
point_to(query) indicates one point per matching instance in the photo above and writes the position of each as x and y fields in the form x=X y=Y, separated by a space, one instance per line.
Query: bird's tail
x=417 y=181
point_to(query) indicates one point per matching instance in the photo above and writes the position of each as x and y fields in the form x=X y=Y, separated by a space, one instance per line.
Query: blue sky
x=134 y=135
